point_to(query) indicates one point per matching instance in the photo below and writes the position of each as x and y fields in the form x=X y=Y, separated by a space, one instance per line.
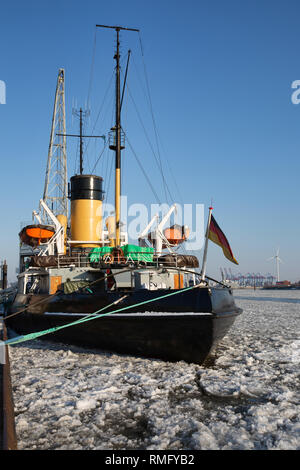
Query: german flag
x=216 y=235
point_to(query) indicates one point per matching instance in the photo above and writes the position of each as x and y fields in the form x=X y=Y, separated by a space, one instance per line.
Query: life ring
x=109 y=259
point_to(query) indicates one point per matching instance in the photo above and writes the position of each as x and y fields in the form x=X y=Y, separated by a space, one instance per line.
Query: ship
x=102 y=292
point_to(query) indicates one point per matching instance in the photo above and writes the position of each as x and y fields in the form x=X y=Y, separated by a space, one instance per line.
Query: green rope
x=92 y=316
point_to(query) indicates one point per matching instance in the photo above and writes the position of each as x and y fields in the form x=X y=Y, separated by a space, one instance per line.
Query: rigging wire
x=171 y=172
x=142 y=169
x=101 y=106
x=104 y=114
x=140 y=79
x=157 y=133
x=88 y=100
x=152 y=113
x=105 y=145
x=153 y=151
x=150 y=103
x=92 y=69
x=157 y=136
x=149 y=141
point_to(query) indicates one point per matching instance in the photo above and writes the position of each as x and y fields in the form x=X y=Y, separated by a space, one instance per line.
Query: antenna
x=278 y=260
x=56 y=180
x=81 y=114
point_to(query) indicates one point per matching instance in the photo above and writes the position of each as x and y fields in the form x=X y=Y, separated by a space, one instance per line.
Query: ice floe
x=245 y=397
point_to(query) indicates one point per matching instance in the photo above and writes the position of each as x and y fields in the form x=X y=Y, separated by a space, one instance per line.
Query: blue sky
x=220 y=76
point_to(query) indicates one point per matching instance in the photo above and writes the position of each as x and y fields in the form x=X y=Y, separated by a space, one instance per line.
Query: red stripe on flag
x=223 y=240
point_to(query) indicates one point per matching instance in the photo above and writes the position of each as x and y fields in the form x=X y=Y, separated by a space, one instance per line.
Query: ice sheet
x=245 y=397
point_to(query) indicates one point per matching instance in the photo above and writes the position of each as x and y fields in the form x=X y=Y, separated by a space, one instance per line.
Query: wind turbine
x=278 y=260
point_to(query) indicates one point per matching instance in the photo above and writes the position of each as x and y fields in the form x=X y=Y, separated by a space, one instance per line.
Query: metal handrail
x=79 y=260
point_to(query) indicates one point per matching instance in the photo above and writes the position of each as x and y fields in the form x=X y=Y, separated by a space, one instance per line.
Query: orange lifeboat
x=34 y=235
x=177 y=234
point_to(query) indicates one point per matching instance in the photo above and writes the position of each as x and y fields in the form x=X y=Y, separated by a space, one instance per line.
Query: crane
x=56 y=181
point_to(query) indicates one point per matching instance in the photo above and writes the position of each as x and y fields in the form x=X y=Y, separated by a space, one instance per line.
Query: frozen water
x=245 y=397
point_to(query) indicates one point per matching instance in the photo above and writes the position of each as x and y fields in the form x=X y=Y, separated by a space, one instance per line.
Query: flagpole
x=203 y=270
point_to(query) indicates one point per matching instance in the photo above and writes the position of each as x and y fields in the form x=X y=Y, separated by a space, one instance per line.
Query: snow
x=245 y=397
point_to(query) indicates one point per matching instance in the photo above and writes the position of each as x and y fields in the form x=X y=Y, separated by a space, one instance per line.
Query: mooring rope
x=91 y=316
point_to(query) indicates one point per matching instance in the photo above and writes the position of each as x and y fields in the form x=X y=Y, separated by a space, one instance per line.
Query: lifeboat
x=177 y=234
x=34 y=235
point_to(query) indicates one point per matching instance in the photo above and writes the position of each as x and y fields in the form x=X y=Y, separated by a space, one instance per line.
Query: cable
x=102 y=104
x=152 y=113
x=142 y=169
x=92 y=69
x=149 y=142
x=105 y=145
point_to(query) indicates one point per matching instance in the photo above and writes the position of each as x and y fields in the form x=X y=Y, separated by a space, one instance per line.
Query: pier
x=8 y=440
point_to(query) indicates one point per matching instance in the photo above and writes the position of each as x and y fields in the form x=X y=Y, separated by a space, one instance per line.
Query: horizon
x=224 y=83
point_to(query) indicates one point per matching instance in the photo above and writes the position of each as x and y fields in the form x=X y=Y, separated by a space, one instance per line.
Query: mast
x=81 y=142
x=203 y=270
x=81 y=114
x=116 y=146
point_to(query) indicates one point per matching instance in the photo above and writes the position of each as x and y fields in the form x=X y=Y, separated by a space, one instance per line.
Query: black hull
x=179 y=333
